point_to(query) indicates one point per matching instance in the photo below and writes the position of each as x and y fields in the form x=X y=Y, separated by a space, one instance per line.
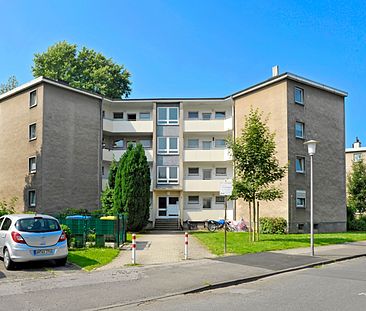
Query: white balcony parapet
x=199 y=185
x=123 y=126
x=108 y=154
x=199 y=155
x=194 y=126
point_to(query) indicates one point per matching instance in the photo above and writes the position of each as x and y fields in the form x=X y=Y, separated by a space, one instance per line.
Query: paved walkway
x=158 y=248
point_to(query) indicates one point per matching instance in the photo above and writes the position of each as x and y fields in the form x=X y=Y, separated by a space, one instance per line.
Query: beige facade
x=354 y=154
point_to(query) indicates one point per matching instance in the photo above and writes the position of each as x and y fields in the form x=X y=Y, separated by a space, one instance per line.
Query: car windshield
x=37 y=225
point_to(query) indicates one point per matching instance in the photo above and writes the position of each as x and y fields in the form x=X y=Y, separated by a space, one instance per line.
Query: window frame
x=357 y=157
x=206 y=113
x=302 y=95
x=195 y=139
x=168 y=179
x=303 y=130
x=303 y=197
x=168 y=121
x=30 y=170
x=209 y=199
x=194 y=174
x=302 y=159
x=30 y=131
x=220 y=118
x=220 y=147
x=168 y=149
x=116 y=147
x=195 y=118
x=216 y=168
x=129 y=114
x=118 y=112
x=144 y=112
x=30 y=205
x=30 y=98
x=220 y=202
x=146 y=147
x=208 y=143
x=193 y=202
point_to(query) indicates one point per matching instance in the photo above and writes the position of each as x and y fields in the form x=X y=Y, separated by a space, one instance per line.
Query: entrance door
x=168 y=207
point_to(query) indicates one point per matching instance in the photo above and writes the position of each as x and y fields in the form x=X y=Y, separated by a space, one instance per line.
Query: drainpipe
x=100 y=151
x=234 y=136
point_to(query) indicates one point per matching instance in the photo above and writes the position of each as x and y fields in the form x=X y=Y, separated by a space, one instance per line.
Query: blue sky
x=201 y=48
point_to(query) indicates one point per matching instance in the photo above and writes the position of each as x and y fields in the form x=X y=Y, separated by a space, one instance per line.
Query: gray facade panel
x=167 y=160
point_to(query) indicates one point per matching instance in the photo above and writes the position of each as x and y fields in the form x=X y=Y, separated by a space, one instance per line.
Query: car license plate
x=43 y=252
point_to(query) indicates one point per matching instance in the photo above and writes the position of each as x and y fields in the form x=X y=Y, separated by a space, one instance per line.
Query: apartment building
x=354 y=154
x=79 y=133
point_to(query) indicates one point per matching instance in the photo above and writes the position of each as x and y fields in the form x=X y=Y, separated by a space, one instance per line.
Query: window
x=32 y=165
x=31 y=198
x=6 y=224
x=220 y=171
x=117 y=115
x=206 y=203
x=131 y=143
x=103 y=113
x=357 y=157
x=300 y=198
x=206 y=115
x=193 y=115
x=220 y=115
x=193 y=143
x=220 y=199
x=131 y=116
x=32 y=131
x=299 y=96
x=206 y=145
x=193 y=171
x=193 y=199
x=168 y=145
x=300 y=165
x=118 y=144
x=167 y=174
x=299 y=130
x=102 y=170
x=167 y=115
x=300 y=226
x=33 y=99
x=144 y=115
x=206 y=174
x=220 y=143
x=146 y=143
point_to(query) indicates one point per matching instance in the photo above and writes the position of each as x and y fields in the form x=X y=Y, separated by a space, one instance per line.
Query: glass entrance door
x=168 y=207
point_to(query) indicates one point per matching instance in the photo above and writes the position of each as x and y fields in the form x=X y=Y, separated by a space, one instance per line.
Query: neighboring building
x=354 y=154
x=78 y=134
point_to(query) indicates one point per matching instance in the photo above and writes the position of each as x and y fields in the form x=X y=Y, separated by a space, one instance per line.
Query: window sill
x=30 y=107
x=299 y=103
x=31 y=139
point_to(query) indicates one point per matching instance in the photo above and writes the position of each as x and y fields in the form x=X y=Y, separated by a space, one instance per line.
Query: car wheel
x=8 y=263
x=61 y=262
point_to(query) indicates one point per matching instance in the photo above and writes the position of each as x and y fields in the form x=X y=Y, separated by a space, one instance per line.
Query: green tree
x=12 y=83
x=256 y=166
x=8 y=207
x=356 y=184
x=132 y=187
x=112 y=173
x=84 y=68
x=107 y=200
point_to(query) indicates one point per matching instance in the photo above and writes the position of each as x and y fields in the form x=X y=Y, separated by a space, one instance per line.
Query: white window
x=168 y=115
x=299 y=96
x=193 y=143
x=168 y=145
x=206 y=145
x=32 y=198
x=146 y=143
x=117 y=115
x=167 y=174
x=207 y=202
x=193 y=199
x=300 y=198
x=32 y=131
x=131 y=116
x=32 y=165
x=193 y=115
x=220 y=199
x=118 y=144
x=220 y=143
x=357 y=157
x=300 y=164
x=193 y=171
x=220 y=115
x=144 y=116
x=206 y=115
x=33 y=99
x=220 y=171
x=299 y=130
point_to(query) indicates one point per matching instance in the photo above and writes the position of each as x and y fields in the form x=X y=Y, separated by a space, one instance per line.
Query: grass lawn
x=238 y=242
x=91 y=258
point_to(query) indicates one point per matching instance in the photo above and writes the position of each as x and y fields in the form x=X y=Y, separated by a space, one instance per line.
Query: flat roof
x=360 y=149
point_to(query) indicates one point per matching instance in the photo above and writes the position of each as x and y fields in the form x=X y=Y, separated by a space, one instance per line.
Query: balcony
x=199 y=185
x=122 y=126
x=199 y=155
x=105 y=183
x=108 y=154
x=208 y=126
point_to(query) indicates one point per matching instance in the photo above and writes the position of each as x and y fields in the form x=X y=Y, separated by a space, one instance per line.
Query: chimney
x=356 y=144
x=275 y=70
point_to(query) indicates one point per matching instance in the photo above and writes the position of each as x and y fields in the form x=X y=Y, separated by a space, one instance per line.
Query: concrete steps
x=171 y=224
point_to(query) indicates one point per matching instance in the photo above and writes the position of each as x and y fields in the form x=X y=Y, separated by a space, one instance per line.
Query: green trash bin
x=100 y=241
x=79 y=241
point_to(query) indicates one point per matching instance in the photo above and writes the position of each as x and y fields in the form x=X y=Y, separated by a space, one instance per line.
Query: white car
x=28 y=237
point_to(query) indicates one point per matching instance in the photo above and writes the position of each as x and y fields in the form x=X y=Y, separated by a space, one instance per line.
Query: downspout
x=100 y=151
x=234 y=136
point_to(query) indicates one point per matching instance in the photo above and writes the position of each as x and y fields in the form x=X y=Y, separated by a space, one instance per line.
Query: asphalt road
x=339 y=286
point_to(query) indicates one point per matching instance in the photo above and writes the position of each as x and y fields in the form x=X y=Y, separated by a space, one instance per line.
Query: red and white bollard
x=133 y=248
x=186 y=246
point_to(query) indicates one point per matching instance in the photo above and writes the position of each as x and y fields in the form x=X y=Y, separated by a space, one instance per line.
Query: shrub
x=8 y=207
x=273 y=225
x=68 y=233
x=357 y=224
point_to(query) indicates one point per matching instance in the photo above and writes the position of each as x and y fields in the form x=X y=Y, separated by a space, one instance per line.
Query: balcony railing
x=199 y=155
x=208 y=125
x=108 y=154
x=199 y=185
x=123 y=126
